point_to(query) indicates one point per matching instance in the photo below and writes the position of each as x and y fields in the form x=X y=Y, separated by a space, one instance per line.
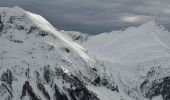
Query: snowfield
x=39 y=62
x=132 y=45
x=132 y=54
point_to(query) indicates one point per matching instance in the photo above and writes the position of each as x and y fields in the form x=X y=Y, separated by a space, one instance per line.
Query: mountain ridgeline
x=39 y=62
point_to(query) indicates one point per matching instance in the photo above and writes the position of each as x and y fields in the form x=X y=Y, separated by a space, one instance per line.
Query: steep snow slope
x=140 y=57
x=136 y=59
x=37 y=62
x=39 y=34
x=132 y=45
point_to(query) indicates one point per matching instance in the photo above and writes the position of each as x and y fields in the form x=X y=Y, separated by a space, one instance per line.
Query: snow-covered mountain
x=132 y=45
x=39 y=62
x=137 y=57
x=140 y=54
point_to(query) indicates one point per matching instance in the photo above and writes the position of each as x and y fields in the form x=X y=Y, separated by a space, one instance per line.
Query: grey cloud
x=96 y=16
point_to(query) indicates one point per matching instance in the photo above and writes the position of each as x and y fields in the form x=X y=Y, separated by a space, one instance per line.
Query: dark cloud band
x=96 y=16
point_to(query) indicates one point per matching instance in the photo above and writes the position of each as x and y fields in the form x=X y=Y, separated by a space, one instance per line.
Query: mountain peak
x=137 y=41
x=18 y=8
x=18 y=17
x=23 y=27
x=46 y=64
x=14 y=9
x=153 y=24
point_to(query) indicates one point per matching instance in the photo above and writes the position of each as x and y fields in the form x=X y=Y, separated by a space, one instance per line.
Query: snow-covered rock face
x=140 y=56
x=37 y=62
x=29 y=40
x=77 y=36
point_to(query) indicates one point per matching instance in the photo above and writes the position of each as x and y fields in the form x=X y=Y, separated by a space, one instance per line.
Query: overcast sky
x=96 y=16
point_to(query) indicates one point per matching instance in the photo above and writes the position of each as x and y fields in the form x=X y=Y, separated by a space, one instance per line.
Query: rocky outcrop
x=77 y=90
x=1 y=25
x=103 y=81
x=42 y=89
x=50 y=85
x=59 y=95
x=155 y=86
x=5 y=92
x=27 y=89
x=7 y=78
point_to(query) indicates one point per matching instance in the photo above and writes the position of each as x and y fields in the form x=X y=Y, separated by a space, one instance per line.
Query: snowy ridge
x=133 y=45
x=44 y=24
x=140 y=56
x=32 y=22
x=37 y=62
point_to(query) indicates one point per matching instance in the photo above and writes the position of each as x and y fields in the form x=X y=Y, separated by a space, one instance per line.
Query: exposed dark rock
x=20 y=27
x=32 y=28
x=59 y=95
x=97 y=81
x=94 y=69
x=5 y=91
x=166 y=88
x=78 y=90
x=160 y=86
x=82 y=94
x=66 y=49
x=79 y=36
x=27 y=72
x=43 y=90
x=18 y=41
x=47 y=74
x=7 y=77
x=104 y=82
x=1 y=25
x=113 y=87
x=27 y=89
x=43 y=33
x=68 y=78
